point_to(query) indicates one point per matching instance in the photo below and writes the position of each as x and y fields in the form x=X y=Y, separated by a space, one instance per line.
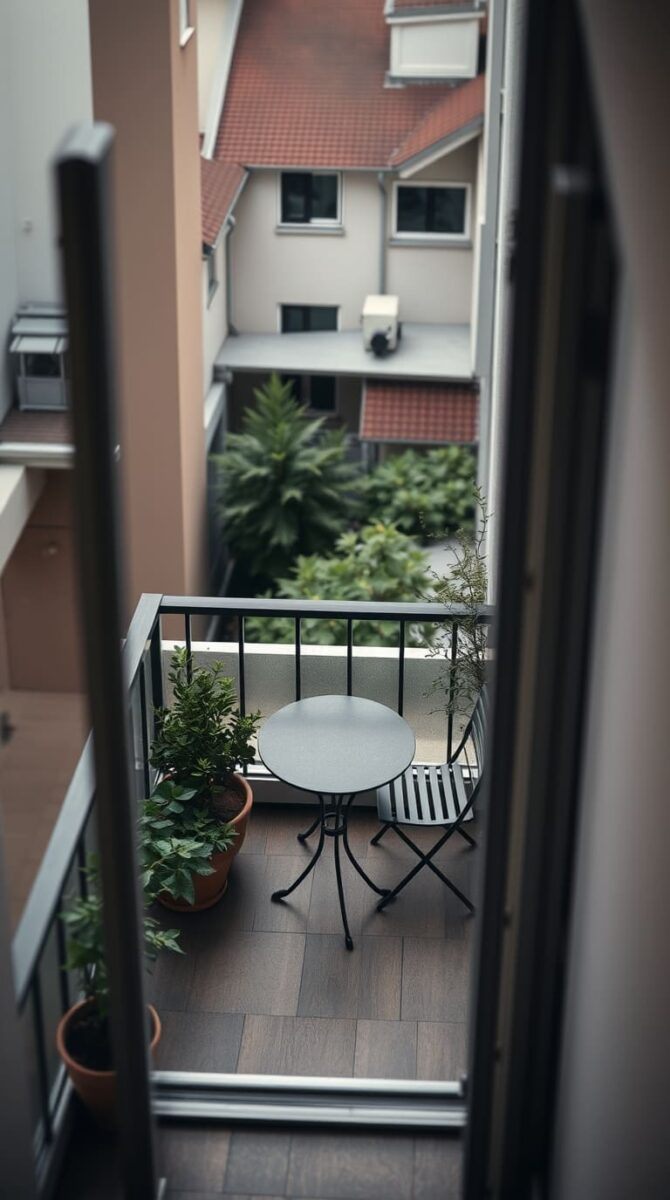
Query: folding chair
x=441 y=796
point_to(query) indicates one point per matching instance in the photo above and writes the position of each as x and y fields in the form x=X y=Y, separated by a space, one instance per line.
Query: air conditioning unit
x=381 y=327
x=38 y=355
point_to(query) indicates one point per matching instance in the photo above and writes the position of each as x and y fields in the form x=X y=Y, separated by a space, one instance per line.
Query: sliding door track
x=287 y=1099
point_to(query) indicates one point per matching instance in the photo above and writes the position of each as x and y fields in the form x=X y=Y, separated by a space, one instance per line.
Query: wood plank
x=249 y=973
x=351 y=1166
x=194 y=1157
x=257 y=1163
x=195 y=1041
x=297 y=1046
x=324 y=909
x=420 y=910
x=435 y=979
x=438 y=1164
x=442 y=1049
x=291 y=916
x=363 y=982
x=385 y=1049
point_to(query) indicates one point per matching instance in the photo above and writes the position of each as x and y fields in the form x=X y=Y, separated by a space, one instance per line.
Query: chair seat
x=425 y=795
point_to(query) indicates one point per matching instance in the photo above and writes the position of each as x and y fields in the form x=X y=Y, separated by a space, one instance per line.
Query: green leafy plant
x=424 y=493
x=286 y=486
x=203 y=737
x=376 y=563
x=464 y=584
x=86 y=956
x=179 y=837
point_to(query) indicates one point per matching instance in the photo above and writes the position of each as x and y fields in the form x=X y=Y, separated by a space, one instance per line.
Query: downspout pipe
x=228 y=232
x=383 y=208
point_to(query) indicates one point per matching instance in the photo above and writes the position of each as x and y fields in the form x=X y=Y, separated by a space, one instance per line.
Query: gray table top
x=336 y=745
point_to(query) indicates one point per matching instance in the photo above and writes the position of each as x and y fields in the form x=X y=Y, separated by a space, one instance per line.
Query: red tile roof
x=461 y=107
x=409 y=4
x=307 y=89
x=220 y=185
x=398 y=411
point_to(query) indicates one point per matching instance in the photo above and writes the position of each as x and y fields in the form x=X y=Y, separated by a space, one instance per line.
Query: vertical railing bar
x=297 y=659
x=187 y=639
x=146 y=770
x=452 y=686
x=240 y=662
x=42 y=1068
x=401 y=668
x=156 y=666
x=62 y=956
x=81 y=866
x=350 y=655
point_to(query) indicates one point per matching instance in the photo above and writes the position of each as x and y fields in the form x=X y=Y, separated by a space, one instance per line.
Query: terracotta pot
x=96 y=1089
x=210 y=888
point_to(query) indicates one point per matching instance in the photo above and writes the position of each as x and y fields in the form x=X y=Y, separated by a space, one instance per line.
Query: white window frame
x=186 y=23
x=321 y=223
x=413 y=236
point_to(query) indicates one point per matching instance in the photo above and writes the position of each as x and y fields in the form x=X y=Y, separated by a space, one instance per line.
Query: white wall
x=612 y=1138
x=211 y=15
x=434 y=280
x=9 y=288
x=214 y=319
x=270 y=681
x=49 y=83
x=435 y=49
x=270 y=268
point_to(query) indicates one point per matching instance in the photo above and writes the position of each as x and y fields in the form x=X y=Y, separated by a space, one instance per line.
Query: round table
x=335 y=746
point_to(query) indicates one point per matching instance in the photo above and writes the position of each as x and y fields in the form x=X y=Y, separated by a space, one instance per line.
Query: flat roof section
x=424 y=352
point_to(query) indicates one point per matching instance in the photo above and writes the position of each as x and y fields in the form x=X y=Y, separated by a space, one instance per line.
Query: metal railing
x=44 y=990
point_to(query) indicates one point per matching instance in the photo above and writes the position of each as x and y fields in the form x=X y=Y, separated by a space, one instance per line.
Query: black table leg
x=338 y=831
x=313 y=860
x=350 y=854
x=339 y=814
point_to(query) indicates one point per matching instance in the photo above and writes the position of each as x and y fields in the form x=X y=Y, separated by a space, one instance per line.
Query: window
x=308 y=318
x=432 y=209
x=316 y=392
x=212 y=278
x=41 y=366
x=309 y=198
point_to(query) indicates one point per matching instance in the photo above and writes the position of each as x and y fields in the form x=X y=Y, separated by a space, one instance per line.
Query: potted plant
x=83 y=1036
x=196 y=819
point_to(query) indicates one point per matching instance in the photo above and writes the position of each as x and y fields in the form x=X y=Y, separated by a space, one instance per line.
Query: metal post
x=83 y=170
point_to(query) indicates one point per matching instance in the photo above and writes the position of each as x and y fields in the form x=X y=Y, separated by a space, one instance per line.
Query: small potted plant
x=83 y=1035
x=196 y=819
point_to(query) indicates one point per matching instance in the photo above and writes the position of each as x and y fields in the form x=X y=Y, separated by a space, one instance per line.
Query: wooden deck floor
x=210 y=1162
x=270 y=988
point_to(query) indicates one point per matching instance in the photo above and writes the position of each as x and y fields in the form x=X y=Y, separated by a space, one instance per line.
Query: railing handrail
x=46 y=891
x=211 y=606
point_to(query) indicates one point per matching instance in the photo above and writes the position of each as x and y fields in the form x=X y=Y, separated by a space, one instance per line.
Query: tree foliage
x=286 y=487
x=464 y=584
x=424 y=494
x=377 y=562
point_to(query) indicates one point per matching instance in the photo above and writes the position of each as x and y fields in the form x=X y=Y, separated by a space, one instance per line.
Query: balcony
x=266 y=995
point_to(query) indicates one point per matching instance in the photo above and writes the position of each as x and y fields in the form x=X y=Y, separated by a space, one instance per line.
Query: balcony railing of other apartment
x=44 y=990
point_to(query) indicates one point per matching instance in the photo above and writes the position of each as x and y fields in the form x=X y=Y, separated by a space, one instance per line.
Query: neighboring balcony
x=264 y=989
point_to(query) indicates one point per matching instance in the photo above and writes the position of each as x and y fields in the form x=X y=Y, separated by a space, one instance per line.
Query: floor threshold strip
x=283 y=1099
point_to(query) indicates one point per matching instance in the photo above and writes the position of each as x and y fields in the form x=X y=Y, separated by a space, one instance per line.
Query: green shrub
x=203 y=737
x=376 y=563
x=426 y=493
x=286 y=487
